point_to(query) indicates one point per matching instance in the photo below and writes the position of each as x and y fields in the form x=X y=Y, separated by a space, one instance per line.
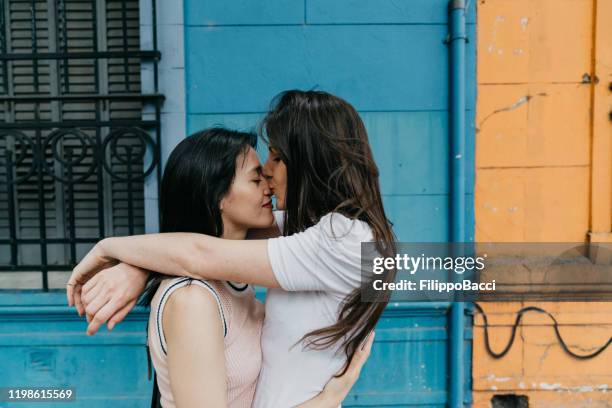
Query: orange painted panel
x=533 y=125
x=544 y=360
x=524 y=41
x=568 y=313
x=601 y=208
x=536 y=360
x=537 y=116
x=549 y=204
x=489 y=373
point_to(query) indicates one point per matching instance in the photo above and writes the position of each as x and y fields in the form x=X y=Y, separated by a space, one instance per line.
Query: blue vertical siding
x=43 y=344
x=395 y=74
x=389 y=60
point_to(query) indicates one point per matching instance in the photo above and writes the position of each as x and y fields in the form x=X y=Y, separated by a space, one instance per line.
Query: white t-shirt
x=321 y=268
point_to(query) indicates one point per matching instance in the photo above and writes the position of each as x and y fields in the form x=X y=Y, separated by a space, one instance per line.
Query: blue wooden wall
x=387 y=58
x=43 y=344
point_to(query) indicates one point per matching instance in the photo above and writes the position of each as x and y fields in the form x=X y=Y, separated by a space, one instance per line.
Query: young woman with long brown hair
x=321 y=170
x=204 y=336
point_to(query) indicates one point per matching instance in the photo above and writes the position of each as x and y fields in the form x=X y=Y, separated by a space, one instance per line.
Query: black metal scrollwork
x=65 y=154
x=128 y=153
x=21 y=144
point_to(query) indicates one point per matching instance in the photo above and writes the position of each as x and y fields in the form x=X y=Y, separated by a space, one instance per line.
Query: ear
x=222 y=204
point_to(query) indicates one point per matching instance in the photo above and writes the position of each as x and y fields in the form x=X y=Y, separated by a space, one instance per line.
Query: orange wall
x=543 y=174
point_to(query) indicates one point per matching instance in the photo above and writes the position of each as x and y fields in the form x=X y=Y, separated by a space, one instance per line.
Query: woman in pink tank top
x=204 y=335
x=322 y=171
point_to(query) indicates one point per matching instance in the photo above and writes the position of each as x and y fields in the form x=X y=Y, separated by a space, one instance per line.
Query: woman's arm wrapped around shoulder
x=125 y=261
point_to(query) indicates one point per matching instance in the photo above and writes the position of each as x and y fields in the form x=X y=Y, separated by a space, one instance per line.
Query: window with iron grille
x=75 y=149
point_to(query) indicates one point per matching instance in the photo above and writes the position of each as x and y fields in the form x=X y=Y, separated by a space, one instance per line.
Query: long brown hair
x=330 y=168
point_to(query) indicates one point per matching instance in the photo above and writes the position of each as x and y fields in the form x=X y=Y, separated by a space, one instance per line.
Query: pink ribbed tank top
x=242 y=317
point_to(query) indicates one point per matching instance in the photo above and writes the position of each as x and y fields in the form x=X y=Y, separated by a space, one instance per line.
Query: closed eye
x=274 y=155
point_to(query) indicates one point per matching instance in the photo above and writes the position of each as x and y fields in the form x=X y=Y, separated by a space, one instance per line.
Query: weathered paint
x=601 y=179
x=544 y=174
x=536 y=365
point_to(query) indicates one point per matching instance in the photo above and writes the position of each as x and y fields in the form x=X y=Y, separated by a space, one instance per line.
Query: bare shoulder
x=191 y=299
x=192 y=313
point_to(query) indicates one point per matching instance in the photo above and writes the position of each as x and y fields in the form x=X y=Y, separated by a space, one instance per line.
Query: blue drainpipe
x=457 y=40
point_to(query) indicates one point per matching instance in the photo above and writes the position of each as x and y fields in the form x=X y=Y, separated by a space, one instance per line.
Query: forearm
x=168 y=253
x=194 y=255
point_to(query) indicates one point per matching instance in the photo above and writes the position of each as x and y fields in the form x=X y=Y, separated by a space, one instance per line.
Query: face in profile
x=276 y=174
x=248 y=203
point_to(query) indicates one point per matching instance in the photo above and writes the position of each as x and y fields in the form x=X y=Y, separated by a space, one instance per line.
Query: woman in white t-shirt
x=204 y=336
x=321 y=170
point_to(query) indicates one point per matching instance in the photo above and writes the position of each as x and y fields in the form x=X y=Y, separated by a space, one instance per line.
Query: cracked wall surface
x=535 y=120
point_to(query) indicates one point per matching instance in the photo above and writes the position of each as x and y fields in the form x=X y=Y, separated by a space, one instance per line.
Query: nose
x=267 y=191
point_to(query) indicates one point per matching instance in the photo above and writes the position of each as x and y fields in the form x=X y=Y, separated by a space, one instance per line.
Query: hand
x=110 y=295
x=92 y=263
x=338 y=388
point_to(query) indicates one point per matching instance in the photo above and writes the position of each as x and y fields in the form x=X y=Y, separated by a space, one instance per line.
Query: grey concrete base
x=32 y=280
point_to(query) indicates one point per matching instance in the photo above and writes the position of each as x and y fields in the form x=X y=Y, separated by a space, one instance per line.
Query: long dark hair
x=198 y=174
x=330 y=168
